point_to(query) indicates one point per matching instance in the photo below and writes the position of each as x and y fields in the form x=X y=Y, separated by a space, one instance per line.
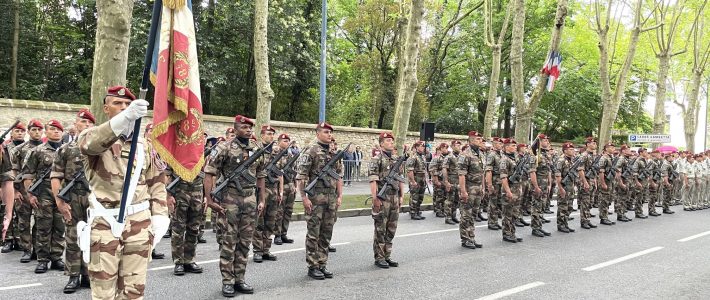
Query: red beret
x=20 y=126
x=642 y=149
x=265 y=128
x=386 y=135
x=508 y=141
x=284 y=136
x=35 y=123
x=230 y=130
x=454 y=142
x=496 y=139
x=624 y=147
x=324 y=125
x=443 y=145
x=522 y=146
x=589 y=140
x=609 y=144
x=120 y=92
x=243 y=120
x=567 y=145
x=655 y=151
x=542 y=136
x=55 y=123
x=474 y=133
x=86 y=114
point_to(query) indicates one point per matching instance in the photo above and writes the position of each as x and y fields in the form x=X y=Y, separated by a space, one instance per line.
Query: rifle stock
x=242 y=171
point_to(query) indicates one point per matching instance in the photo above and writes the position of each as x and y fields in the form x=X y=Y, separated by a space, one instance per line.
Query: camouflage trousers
x=319 y=224
x=24 y=232
x=237 y=222
x=605 y=198
x=564 y=205
x=439 y=198
x=49 y=241
x=510 y=205
x=217 y=225
x=385 y=227
x=551 y=193
x=266 y=221
x=685 y=193
x=494 y=204
x=653 y=195
x=469 y=210
x=185 y=223
x=667 y=196
x=74 y=265
x=677 y=185
x=525 y=199
x=452 y=201
x=584 y=201
x=621 y=199
x=638 y=196
x=537 y=206
x=417 y=194
x=285 y=210
x=118 y=266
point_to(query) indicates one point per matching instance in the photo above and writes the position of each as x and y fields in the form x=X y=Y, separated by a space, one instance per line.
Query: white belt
x=113 y=212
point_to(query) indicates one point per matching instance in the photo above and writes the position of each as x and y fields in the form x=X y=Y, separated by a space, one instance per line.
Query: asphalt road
x=657 y=258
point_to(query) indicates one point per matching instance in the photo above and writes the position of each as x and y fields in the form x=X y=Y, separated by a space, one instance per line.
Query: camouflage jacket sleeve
x=534 y=162
x=373 y=168
x=620 y=164
x=94 y=141
x=60 y=162
x=411 y=164
x=304 y=164
x=30 y=165
x=504 y=162
x=462 y=164
x=559 y=166
x=665 y=169
x=489 y=161
x=155 y=181
x=433 y=167
x=6 y=173
x=217 y=159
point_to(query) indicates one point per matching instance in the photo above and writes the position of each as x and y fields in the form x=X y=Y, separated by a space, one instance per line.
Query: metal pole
x=323 y=38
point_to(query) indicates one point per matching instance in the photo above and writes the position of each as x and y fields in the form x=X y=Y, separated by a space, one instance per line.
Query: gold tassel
x=174 y=4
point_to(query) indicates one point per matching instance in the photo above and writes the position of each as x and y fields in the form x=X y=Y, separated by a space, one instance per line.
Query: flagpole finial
x=174 y=4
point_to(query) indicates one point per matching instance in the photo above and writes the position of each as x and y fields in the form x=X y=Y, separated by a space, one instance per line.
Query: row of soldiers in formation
x=250 y=186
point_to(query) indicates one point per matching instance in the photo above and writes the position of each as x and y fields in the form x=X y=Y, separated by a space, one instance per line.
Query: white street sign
x=649 y=138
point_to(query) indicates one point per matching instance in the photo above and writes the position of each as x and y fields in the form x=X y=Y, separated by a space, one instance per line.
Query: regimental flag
x=552 y=68
x=177 y=117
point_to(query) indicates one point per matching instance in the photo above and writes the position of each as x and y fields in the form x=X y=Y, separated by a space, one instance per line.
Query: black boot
x=179 y=270
x=26 y=257
x=41 y=267
x=243 y=288
x=480 y=216
x=72 y=285
x=326 y=273
x=201 y=239
x=332 y=249
x=7 y=247
x=58 y=265
x=277 y=240
x=228 y=290
x=156 y=255
x=315 y=273
x=85 y=281
x=193 y=268
x=286 y=240
x=167 y=234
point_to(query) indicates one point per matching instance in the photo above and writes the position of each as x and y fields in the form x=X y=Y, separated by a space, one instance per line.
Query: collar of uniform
x=54 y=145
x=36 y=142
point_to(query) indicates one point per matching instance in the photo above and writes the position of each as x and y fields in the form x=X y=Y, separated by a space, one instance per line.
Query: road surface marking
x=512 y=291
x=250 y=256
x=621 y=259
x=692 y=237
x=5 y=288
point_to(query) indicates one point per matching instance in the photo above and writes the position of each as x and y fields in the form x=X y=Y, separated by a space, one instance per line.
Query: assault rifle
x=2 y=137
x=627 y=170
x=612 y=172
x=288 y=170
x=79 y=178
x=241 y=172
x=392 y=179
x=35 y=185
x=273 y=172
x=572 y=172
x=594 y=170
x=328 y=172
x=520 y=169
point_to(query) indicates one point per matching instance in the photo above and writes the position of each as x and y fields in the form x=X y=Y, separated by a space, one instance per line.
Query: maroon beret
x=243 y=120
x=86 y=114
x=120 y=92
x=324 y=125
x=34 y=123
x=57 y=124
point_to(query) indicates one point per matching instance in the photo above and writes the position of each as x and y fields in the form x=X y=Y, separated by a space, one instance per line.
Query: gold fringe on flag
x=174 y=4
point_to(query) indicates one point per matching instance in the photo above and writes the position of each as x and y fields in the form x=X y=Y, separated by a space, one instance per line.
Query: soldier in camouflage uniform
x=666 y=174
x=49 y=242
x=17 y=137
x=385 y=211
x=654 y=167
x=187 y=198
x=118 y=265
x=639 y=183
x=566 y=181
x=523 y=209
x=285 y=209
x=494 y=184
x=271 y=196
x=8 y=190
x=437 y=179
x=471 y=173
x=540 y=172
x=622 y=184
x=416 y=175
x=238 y=209
x=587 y=186
x=451 y=183
x=320 y=210
x=24 y=230
x=605 y=186
x=66 y=166
x=511 y=189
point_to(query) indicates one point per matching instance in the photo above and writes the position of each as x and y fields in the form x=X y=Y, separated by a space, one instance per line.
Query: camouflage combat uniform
x=507 y=168
x=239 y=218
x=585 y=197
x=417 y=164
x=450 y=173
x=24 y=231
x=605 y=196
x=439 y=191
x=621 y=197
x=471 y=166
x=639 y=194
x=386 y=218
x=285 y=210
x=320 y=220
x=49 y=242
x=654 y=190
x=186 y=218
x=266 y=222
x=118 y=266
x=541 y=165
x=564 y=204
x=494 y=197
x=67 y=164
x=667 y=194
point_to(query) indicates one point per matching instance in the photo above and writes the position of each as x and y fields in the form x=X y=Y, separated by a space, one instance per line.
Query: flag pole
x=157 y=7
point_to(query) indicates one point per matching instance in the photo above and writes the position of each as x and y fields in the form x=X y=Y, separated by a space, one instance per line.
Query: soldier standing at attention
x=17 y=137
x=639 y=183
x=238 y=208
x=565 y=183
x=67 y=165
x=622 y=184
x=512 y=189
x=666 y=172
x=523 y=207
x=285 y=211
x=587 y=184
x=654 y=167
x=416 y=175
x=24 y=209
x=385 y=211
x=540 y=178
x=118 y=265
x=494 y=184
x=320 y=210
x=49 y=242
x=471 y=172
x=271 y=197
x=606 y=186
x=437 y=179
x=451 y=183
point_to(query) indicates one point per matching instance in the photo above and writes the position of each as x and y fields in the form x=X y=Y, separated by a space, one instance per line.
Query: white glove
x=160 y=226
x=122 y=124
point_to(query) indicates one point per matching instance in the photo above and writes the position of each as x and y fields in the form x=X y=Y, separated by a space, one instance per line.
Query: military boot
x=41 y=267
x=72 y=285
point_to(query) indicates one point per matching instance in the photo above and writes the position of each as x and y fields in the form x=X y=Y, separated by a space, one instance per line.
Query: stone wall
x=303 y=134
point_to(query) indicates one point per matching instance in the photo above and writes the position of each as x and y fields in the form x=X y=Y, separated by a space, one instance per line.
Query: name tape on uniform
x=649 y=138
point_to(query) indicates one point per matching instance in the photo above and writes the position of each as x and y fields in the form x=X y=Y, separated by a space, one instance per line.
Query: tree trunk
x=409 y=83
x=517 y=83
x=15 y=47
x=690 y=118
x=113 y=35
x=659 y=114
x=264 y=94
x=492 y=106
